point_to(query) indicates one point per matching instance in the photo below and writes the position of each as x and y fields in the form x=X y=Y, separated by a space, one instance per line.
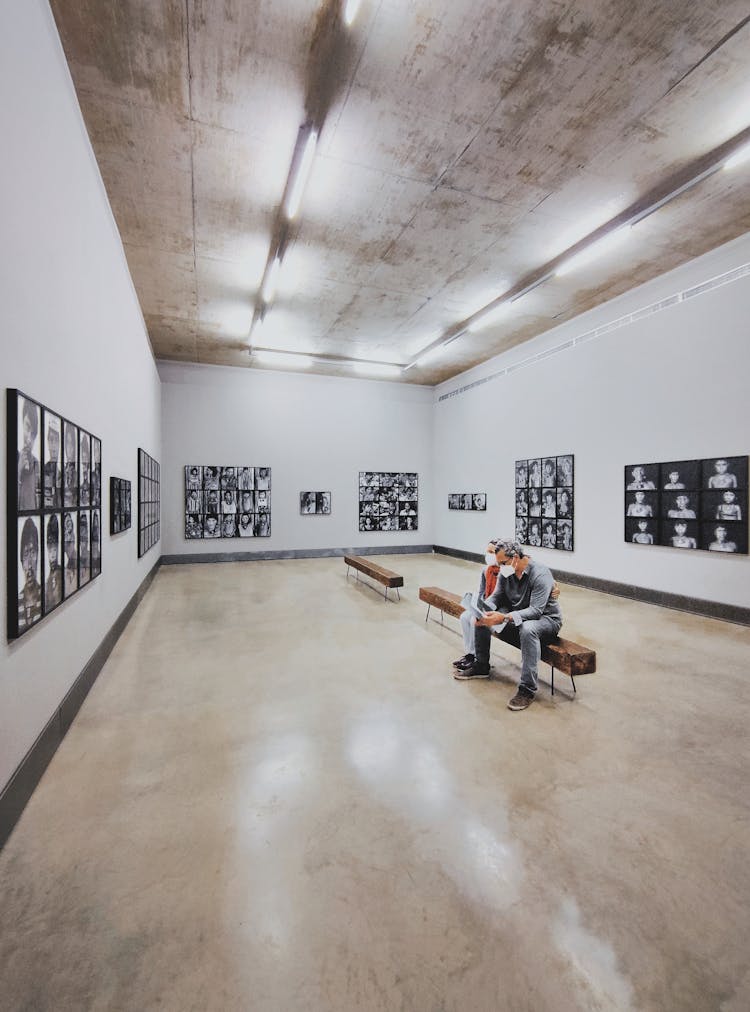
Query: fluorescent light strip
x=301 y=174
x=592 y=251
x=738 y=158
x=283 y=358
x=350 y=11
x=269 y=285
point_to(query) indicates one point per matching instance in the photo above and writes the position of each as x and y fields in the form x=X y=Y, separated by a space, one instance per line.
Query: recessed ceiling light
x=285 y=359
x=301 y=174
x=377 y=369
x=269 y=285
x=350 y=11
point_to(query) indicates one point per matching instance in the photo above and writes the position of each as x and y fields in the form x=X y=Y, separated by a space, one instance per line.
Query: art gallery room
x=376 y=505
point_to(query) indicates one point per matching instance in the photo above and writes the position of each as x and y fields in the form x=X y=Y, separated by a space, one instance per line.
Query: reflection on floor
x=277 y=798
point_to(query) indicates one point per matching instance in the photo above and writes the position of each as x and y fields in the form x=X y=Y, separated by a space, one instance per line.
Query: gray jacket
x=529 y=597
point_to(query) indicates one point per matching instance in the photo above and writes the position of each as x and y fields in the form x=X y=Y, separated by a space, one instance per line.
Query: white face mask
x=507 y=570
x=490 y=559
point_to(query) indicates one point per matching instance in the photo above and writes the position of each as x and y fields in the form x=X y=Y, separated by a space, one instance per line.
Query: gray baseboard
x=296 y=553
x=16 y=793
x=678 y=602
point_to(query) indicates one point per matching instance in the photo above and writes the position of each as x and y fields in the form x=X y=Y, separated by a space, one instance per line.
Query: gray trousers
x=467 y=628
x=529 y=636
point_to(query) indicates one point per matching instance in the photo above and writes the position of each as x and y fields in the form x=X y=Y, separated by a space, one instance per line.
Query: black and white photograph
x=52 y=478
x=84 y=468
x=53 y=574
x=545 y=502
x=29 y=472
x=119 y=505
x=84 y=547
x=149 y=502
x=467 y=501
x=315 y=503
x=96 y=543
x=698 y=504
x=96 y=472
x=389 y=501
x=37 y=487
x=70 y=464
x=227 y=501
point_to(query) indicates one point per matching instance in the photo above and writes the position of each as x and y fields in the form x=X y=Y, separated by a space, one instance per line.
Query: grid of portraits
x=467 y=501
x=544 y=502
x=119 y=505
x=388 y=501
x=694 y=504
x=53 y=510
x=227 y=502
x=311 y=503
x=149 y=502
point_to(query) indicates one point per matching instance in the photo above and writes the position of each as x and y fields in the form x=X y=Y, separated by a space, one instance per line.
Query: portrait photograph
x=549 y=472
x=407 y=523
x=193 y=477
x=211 y=501
x=193 y=500
x=70 y=464
x=263 y=501
x=522 y=502
x=29 y=575
x=246 y=479
x=680 y=505
x=535 y=473
x=323 y=504
x=84 y=468
x=680 y=475
x=263 y=525
x=564 y=541
x=727 y=538
x=84 y=547
x=534 y=497
x=549 y=534
x=211 y=528
x=246 y=501
x=641 y=477
x=193 y=526
x=229 y=525
x=466 y=501
x=535 y=534
x=307 y=503
x=246 y=525
x=228 y=501
x=52 y=461
x=228 y=478
x=262 y=478
x=479 y=501
x=522 y=530
x=96 y=543
x=641 y=504
x=729 y=505
x=70 y=553
x=29 y=470
x=522 y=474
x=367 y=523
x=642 y=531
x=96 y=471
x=407 y=509
x=549 y=504
x=680 y=534
x=210 y=477
x=454 y=501
x=565 y=470
x=725 y=472
x=564 y=504
x=53 y=573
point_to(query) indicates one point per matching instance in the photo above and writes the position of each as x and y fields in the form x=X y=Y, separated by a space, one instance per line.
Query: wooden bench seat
x=565 y=655
x=387 y=577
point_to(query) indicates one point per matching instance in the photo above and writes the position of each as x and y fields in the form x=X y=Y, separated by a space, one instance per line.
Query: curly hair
x=509 y=547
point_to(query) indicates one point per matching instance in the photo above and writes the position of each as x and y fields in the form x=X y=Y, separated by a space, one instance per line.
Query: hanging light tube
x=300 y=172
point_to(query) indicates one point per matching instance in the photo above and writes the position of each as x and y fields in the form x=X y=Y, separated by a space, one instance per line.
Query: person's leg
x=532 y=635
x=467 y=629
x=482 y=640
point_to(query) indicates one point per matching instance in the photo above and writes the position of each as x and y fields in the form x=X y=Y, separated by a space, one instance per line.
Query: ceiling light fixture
x=597 y=248
x=738 y=158
x=350 y=11
x=489 y=315
x=377 y=369
x=268 y=290
x=301 y=166
x=283 y=358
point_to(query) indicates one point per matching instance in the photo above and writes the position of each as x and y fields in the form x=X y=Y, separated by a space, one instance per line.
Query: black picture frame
x=228 y=501
x=544 y=489
x=42 y=556
x=149 y=502
x=699 y=504
x=315 y=504
x=120 y=505
x=388 y=501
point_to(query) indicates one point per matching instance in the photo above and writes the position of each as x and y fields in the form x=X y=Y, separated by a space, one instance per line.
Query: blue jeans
x=529 y=636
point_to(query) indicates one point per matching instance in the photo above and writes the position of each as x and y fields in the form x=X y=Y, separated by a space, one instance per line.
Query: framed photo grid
x=227 y=502
x=149 y=502
x=388 y=501
x=315 y=503
x=467 y=501
x=544 y=488
x=692 y=504
x=53 y=510
x=120 y=505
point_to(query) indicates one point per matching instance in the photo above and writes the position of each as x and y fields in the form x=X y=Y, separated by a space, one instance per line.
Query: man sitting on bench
x=525 y=612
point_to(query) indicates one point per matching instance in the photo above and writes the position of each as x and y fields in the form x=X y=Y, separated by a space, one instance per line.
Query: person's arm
x=541 y=591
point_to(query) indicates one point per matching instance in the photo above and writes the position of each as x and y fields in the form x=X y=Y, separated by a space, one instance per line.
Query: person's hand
x=491 y=618
x=555 y=591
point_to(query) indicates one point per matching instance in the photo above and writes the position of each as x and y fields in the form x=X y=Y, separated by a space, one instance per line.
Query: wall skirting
x=678 y=602
x=295 y=553
x=16 y=793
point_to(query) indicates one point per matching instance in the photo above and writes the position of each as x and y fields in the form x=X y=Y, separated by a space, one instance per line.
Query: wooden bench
x=565 y=655
x=389 y=579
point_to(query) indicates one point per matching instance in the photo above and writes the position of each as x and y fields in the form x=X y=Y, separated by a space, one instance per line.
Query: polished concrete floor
x=276 y=798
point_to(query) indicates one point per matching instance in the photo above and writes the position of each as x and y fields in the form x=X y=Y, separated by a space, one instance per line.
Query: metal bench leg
x=574 y=684
x=441 y=616
x=428 y=614
x=553 y=681
x=347 y=572
x=397 y=594
x=385 y=593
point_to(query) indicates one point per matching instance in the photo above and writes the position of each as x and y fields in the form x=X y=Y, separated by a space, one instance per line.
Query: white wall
x=670 y=386
x=315 y=433
x=72 y=336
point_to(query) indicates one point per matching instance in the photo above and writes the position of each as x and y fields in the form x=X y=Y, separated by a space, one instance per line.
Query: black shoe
x=464 y=662
x=474 y=671
x=521 y=700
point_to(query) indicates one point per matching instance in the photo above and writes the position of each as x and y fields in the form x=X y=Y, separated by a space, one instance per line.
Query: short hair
x=53 y=531
x=509 y=547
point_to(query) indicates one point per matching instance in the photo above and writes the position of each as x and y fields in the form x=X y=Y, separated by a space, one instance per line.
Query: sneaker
x=520 y=701
x=474 y=671
x=464 y=662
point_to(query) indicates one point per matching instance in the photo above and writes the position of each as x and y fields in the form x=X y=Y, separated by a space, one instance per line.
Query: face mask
x=507 y=570
x=490 y=559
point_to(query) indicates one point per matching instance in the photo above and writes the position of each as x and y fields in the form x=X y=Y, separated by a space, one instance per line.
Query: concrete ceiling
x=464 y=145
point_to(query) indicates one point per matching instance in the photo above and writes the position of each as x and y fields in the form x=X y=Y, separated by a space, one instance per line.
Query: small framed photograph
x=323 y=503
x=247 y=525
x=307 y=503
x=193 y=477
x=211 y=501
x=96 y=472
x=262 y=479
x=725 y=472
x=29 y=604
x=522 y=530
x=228 y=501
x=535 y=533
x=641 y=504
x=454 y=501
x=728 y=537
x=564 y=504
x=245 y=479
x=680 y=534
x=679 y=505
x=228 y=478
x=564 y=541
x=70 y=464
x=549 y=472
x=193 y=526
x=549 y=534
x=522 y=474
x=210 y=478
x=728 y=505
x=52 y=461
x=193 y=500
x=549 y=504
x=564 y=465
x=535 y=502
x=641 y=531
x=522 y=502
x=535 y=473
x=680 y=475
x=641 y=477
x=29 y=445
x=263 y=525
x=96 y=543
x=211 y=528
x=84 y=468
x=53 y=574
x=229 y=525
x=84 y=547
x=70 y=553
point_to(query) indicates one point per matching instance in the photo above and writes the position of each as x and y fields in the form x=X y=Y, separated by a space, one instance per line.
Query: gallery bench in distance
x=565 y=655
x=388 y=578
